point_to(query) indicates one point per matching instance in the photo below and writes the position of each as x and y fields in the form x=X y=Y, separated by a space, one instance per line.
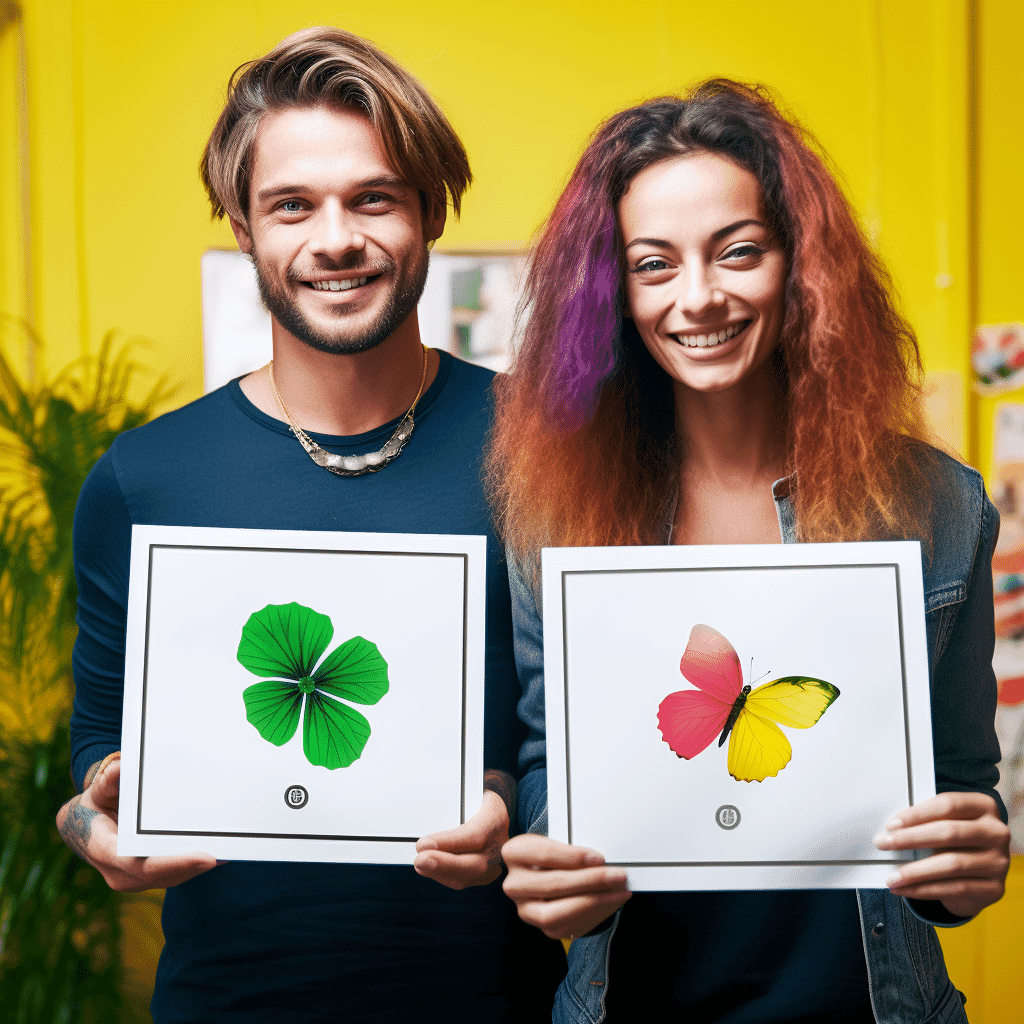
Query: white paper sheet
x=616 y=625
x=198 y=775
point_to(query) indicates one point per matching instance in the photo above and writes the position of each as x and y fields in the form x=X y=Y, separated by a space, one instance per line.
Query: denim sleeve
x=528 y=640
x=963 y=685
x=963 y=692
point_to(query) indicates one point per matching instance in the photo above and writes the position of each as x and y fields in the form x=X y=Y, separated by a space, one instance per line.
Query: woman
x=713 y=357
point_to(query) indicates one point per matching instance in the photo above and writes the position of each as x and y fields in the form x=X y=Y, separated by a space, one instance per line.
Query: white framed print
x=304 y=696
x=736 y=716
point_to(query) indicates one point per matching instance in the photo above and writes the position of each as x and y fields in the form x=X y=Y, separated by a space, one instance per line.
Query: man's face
x=337 y=237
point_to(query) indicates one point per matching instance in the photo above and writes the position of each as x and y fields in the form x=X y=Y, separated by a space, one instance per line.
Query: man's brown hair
x=333 y=68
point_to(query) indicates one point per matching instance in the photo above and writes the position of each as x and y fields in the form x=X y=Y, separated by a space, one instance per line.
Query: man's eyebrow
x=661 y=243
x=380 y=181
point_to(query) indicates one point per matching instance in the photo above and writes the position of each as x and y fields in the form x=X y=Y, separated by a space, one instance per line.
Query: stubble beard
x=401 y=302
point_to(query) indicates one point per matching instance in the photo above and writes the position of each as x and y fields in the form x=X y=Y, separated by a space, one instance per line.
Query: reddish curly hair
x=583 y=450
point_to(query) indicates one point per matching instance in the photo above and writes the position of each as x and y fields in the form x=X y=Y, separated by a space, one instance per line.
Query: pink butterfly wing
x=710 y=662
x=690 y=719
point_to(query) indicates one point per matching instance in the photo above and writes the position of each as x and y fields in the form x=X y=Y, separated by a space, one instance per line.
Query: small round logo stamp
x=727 y=817
x=296 y=797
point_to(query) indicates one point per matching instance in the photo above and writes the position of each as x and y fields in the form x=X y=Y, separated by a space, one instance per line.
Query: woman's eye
x=650 y=266
x=742 y=252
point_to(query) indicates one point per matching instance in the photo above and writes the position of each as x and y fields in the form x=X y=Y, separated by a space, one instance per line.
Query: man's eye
x=291 y=206
x=374 y=199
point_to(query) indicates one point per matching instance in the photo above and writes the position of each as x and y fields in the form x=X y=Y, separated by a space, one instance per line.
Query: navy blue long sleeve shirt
x=310 y=942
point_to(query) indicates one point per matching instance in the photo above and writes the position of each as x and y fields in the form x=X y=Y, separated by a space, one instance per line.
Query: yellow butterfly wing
x=757 y=747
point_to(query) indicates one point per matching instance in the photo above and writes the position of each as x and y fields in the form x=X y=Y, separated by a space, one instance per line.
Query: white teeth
x=339 y=286
x=712 y=339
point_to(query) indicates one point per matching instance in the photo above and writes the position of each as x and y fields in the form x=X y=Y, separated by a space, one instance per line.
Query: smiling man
x=336 y=170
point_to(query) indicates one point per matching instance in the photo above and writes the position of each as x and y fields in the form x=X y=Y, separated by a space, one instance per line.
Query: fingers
x=105 y=789
x=986 y=832
x=570 y=918
x=540 y=853
x=469 y=854
x=563 y=890
x=967 y=870
x=459 y=871
x=133 y=874
x=963 y=806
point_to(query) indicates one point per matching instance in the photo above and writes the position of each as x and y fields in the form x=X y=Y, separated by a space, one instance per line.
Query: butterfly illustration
x=690 y=719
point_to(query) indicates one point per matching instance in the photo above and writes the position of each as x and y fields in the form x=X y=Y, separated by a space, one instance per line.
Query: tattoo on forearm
x=76 y=829
x=505 y=786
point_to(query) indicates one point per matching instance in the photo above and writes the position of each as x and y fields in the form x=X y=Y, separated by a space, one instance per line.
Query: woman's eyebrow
x=661 y=243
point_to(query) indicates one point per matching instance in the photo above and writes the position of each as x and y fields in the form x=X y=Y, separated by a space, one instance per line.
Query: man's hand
x=470 y=854
x=565 y=891
x=967 y=869
x=88 y=824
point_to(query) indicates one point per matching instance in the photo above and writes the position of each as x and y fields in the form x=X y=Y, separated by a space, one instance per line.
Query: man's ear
x=242 y=236
x=433 y=227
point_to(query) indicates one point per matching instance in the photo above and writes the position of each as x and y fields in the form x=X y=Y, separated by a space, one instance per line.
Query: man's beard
x=405 y=294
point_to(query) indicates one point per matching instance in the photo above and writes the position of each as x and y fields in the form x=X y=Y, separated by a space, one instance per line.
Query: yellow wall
x=914 y=99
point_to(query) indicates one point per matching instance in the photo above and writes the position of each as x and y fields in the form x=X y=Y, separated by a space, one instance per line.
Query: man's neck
x=343 y=394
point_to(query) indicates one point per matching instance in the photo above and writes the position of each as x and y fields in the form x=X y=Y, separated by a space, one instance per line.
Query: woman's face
x=704 y=276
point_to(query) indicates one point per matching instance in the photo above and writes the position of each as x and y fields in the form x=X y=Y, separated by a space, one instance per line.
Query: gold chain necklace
x=354 y=465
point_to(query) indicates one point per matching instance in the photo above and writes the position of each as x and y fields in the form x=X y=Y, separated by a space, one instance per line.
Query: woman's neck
x=732 y=449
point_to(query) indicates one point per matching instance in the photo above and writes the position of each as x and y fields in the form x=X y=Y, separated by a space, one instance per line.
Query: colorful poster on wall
x=736 y=717
x=997 y=356
x=293 y=695
x=1008 y=586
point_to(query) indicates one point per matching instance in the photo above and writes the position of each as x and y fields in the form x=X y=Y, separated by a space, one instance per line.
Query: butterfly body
x=748 y=717
x=734 y=713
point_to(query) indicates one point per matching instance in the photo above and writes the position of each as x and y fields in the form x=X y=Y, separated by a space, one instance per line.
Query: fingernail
x=615 y=875
x=592 y=859
x=893 y=823
x=426 y=844
x=893 y=880
x=883 y=840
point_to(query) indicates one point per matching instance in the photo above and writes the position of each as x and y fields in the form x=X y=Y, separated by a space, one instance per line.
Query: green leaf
x=284 y=640
x=333 y=734
x=273 y=706
x=355 y=670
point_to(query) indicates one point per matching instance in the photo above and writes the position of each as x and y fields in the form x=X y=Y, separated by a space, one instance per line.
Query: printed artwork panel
x=361 y=738
x=822 y=648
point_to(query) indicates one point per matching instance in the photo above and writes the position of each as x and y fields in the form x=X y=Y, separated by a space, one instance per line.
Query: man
x=335 y=168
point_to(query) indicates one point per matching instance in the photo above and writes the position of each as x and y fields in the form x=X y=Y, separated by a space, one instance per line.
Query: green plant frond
x=59 y=923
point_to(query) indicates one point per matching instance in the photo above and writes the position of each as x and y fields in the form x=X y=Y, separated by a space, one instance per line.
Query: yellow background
x=918 y=101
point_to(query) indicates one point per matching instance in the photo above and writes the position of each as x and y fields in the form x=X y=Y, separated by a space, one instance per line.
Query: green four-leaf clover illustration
x=287 y=640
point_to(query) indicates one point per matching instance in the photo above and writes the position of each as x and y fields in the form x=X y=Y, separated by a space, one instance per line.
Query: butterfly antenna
x=754 y=682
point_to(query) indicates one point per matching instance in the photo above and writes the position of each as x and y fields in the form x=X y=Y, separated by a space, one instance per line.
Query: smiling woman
x=713 y=357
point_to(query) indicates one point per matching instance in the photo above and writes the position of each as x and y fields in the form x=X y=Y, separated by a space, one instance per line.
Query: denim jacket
x=906 y=972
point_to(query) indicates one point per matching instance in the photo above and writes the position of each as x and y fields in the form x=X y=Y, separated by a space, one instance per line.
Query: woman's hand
x=565 y=891
x=970 y=851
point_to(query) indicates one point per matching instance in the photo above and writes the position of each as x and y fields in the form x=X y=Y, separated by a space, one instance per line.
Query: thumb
x=106 y=786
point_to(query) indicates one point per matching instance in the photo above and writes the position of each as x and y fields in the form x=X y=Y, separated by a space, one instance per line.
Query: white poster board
x=618 y=624
x=348 y=756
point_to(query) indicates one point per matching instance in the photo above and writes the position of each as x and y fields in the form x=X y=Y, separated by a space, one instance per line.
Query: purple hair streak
x=586 y=330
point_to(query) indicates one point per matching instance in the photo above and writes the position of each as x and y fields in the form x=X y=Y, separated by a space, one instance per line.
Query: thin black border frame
x=895 y=566
x=152 y=546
